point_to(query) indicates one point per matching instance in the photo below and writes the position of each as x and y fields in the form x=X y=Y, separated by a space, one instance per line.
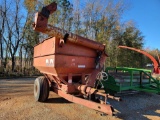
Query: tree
x=15 y=27
x=2 y=29
x=131 y=37
x=102 y=23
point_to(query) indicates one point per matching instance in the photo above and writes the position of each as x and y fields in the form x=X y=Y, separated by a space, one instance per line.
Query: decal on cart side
x=50 y=62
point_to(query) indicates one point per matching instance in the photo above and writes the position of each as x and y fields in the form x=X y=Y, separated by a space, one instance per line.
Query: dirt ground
x=17 y=102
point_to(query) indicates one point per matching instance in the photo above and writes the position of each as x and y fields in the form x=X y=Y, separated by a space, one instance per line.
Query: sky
x=146 y=15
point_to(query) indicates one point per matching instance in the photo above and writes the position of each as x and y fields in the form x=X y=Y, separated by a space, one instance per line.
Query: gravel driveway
x=17 y=102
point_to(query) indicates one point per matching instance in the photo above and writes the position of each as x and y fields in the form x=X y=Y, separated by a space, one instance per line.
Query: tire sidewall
x=37 y=89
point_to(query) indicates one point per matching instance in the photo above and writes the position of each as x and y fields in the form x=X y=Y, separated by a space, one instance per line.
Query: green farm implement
x=122 y=79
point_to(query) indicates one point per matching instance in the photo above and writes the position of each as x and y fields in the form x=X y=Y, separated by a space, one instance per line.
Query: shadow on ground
x=57 y=100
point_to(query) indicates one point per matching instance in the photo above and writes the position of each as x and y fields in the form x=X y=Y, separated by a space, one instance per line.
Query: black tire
x=41 y=89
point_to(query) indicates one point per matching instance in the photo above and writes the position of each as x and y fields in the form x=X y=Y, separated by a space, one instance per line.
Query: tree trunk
x=1 y=48
x=20 y=59
x=13 y=63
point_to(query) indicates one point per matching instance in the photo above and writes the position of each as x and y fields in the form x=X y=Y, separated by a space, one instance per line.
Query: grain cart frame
x=70 y=64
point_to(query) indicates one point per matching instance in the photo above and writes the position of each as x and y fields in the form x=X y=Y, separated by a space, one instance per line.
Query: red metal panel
x=51 y=46
x=50 y=58
x=70 y=48
x=74 y=62
x=47 y=47
x=36 y=50
x=62 y=64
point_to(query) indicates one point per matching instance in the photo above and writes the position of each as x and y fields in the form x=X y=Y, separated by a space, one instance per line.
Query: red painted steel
x=155 y=63
x=40 y=25
x=108 y=109
x=51 y=46
x=158 y=57
x=69 y=62
x=50 y=58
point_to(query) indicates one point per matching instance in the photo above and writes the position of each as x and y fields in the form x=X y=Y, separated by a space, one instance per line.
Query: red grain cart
x=70 y=64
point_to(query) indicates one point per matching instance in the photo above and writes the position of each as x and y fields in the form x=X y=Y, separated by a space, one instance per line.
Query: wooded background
x=99 y=20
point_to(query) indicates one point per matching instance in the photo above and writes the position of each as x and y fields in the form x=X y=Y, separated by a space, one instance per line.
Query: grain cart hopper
x=70 y=64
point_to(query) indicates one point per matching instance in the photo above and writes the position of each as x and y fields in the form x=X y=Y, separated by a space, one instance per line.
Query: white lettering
x=50 y=62
x=81 y=66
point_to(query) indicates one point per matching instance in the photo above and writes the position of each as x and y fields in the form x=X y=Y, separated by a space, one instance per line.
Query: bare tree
x=3 y=11
x=15 y=27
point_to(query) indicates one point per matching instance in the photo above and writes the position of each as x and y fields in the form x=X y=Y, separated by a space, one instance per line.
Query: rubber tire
x=41 y=89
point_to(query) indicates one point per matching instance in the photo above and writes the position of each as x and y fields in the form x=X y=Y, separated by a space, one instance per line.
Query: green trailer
x=122 y=79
